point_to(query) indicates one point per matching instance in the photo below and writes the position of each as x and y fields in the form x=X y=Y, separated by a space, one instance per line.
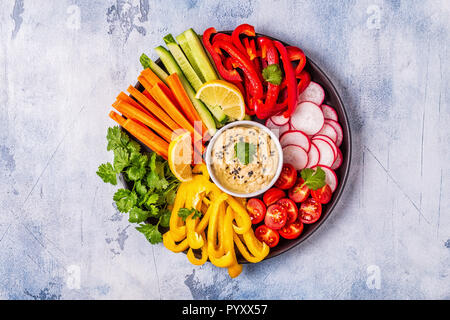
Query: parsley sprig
x=272 y=73
x=153 y=186
x=185 y=212
x=313 y=179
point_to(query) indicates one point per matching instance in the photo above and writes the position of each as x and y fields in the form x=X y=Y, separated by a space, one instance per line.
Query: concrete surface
x=63 y=62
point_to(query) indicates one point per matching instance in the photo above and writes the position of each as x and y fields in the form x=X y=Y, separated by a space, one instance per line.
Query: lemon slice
x=224 y=95
x=180 y=157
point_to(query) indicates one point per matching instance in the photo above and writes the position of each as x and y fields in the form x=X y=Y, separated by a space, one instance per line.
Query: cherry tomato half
x=310 y=211
x=291 y=209
x=267 y=235
x=287 y=177
x=273 y=195
x=298 y=193
x=292 y=230
x=256 y=210
x=322 y=195
x=276 y=216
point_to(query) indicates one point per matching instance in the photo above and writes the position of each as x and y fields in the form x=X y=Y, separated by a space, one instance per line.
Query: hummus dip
x=244 y=159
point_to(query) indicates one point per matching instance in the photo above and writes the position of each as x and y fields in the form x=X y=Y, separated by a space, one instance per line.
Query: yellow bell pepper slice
x=194 y=260
x=195 y=240
x=256 y=247
x=241 y=216
x=243 y=250
x=176 y=223
x=201 y=169
x=221 y=228
x=216 y=257
x=234 y=269
x=169 y=243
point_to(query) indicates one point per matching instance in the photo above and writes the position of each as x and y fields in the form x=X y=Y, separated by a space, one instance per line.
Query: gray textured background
x=62 y=64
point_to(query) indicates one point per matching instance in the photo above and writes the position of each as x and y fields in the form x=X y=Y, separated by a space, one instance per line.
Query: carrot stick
x=148 y=86
x=153 y=108
x=149 y=96
x=137 y=106
x=145 y=135
x=151 y=76
x=165 y=102
x=126 y=98
x=132 y=113
x=183 y=99
x=117 y=118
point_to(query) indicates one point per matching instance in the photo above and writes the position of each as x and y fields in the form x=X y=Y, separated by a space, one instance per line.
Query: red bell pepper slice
x=290 y=78
x=297 y=54
x=221 y=36
x=246 y=29
x=244 y=63
x=269 y=55
x=250 y=48
x=304 y=79
x=230 y=75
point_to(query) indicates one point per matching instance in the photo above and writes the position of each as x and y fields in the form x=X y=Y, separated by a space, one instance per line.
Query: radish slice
x=329 y=112
x=284 y=128
x=313 y=93
x=273 y=127
x=276 y=129
x=307 y=117
x=338 y=128
x=327 y=156
x=295 y=137
x=331 y=142
x=330 y=177
x=295 y=155
x=329 y=131
x=279 y=120
x=313 y=156
x=337 y=163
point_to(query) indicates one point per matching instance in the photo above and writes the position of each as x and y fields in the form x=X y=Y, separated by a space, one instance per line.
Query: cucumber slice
x=200 y=56
x=188 y=52
x=149 y=63
x=168 y=61
x=218 y=113
x=171 y=66
x=183 y=62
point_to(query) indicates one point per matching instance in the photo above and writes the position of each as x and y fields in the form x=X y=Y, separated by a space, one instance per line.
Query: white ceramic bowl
x=244 y=123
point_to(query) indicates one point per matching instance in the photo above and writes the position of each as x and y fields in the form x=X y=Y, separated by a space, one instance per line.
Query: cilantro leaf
x=313 y=179
x=133 y=147
x=107 y=173
x=164 y=220
x=135 y=173
x=116 y=138
x=244 y=151
x=138 y=215
x=140 y=188
x=185 y=212
x=169 y=196
x=152 y=199
x=151 y=232
x=125 y=200
x=154 y=185
x=154 y=210
x=137 y=170
x=120 y=159
x=272 y=74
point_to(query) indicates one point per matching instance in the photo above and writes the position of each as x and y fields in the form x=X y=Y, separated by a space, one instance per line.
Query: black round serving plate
x=333 y=99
